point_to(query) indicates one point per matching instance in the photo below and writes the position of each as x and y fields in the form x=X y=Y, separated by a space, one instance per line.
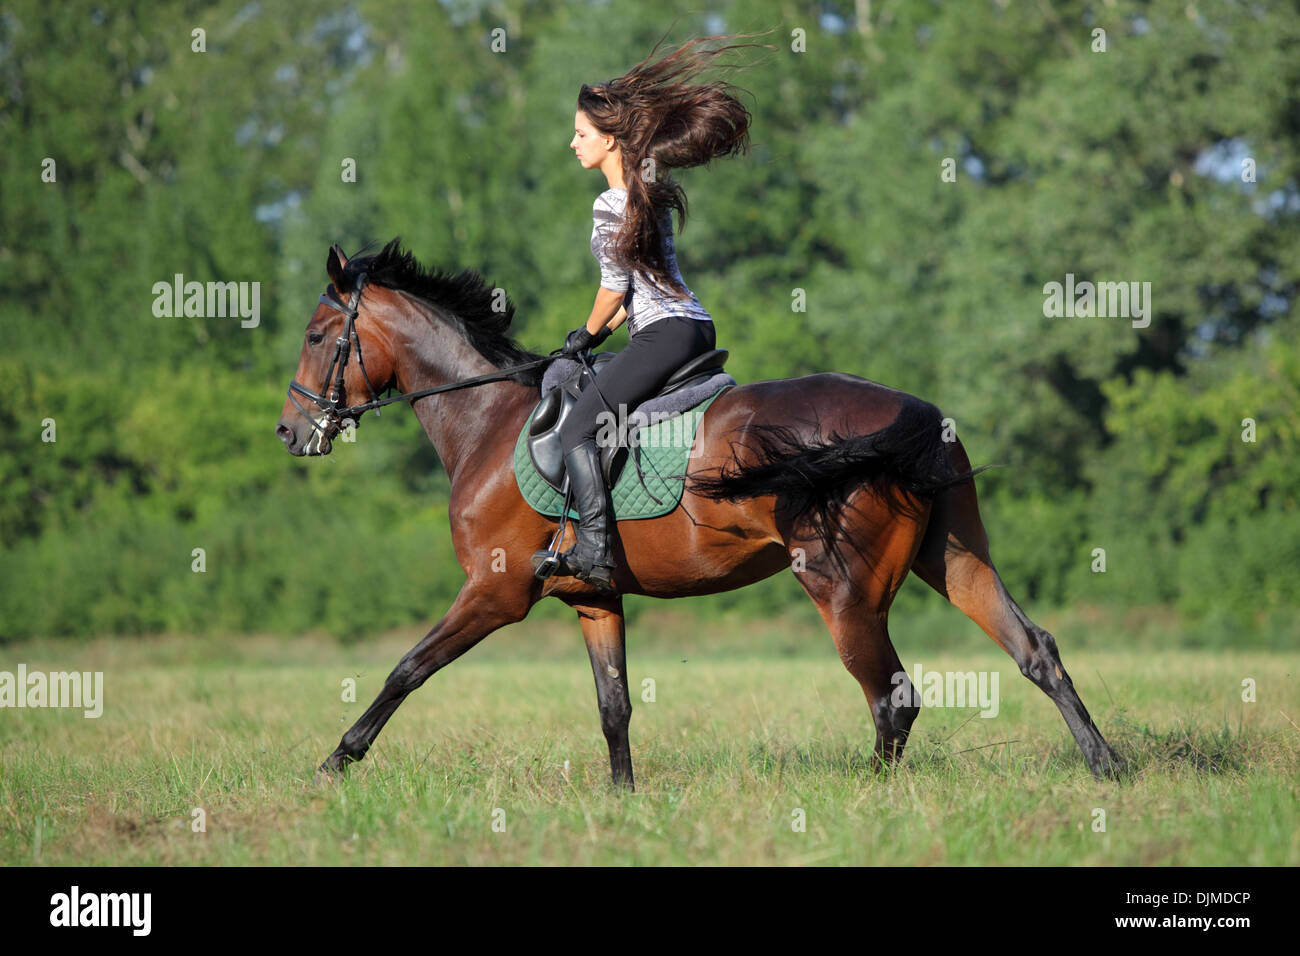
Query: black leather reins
x=337 y=413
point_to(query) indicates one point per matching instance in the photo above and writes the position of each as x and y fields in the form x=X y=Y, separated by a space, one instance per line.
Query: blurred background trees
x=1162 y=150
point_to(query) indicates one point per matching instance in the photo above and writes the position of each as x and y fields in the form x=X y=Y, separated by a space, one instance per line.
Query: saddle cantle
x=563 y=385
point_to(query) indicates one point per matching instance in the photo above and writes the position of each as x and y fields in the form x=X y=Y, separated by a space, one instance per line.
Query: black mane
x=465 y=298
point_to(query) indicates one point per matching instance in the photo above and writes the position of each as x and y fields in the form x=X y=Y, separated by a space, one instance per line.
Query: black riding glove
x=580 y=340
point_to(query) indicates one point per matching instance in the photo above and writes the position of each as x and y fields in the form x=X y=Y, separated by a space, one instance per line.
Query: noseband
x=337 y=414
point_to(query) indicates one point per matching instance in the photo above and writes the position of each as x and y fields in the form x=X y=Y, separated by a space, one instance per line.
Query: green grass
x=734 y=744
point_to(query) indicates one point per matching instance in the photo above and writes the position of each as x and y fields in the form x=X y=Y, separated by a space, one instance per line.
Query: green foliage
x=836 y=244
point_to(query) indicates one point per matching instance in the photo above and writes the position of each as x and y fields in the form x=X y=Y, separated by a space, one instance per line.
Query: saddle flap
x=547 y=415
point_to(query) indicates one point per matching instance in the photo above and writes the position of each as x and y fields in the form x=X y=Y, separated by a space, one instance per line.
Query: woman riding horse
x=632 y=128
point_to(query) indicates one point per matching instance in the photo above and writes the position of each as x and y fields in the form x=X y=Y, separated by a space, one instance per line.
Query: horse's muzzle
x=316 y=443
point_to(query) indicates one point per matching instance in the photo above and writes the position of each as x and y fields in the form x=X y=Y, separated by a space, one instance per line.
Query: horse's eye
x=315 y=338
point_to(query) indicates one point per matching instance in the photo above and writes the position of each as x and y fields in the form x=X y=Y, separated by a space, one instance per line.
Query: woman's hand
x=580 y=340
x=608 y=312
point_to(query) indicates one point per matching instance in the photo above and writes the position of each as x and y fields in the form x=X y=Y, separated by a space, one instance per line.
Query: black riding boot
x=589 y=559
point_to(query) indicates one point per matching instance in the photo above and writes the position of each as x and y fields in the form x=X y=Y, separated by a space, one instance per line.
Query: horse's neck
x=463 y=422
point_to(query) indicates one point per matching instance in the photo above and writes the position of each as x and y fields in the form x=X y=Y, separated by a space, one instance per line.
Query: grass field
x=736 y=748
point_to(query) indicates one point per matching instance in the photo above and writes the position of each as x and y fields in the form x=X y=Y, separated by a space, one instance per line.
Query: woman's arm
x=617 y=320
x=608 y=304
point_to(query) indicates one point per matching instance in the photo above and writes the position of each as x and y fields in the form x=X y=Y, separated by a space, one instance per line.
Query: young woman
x=633 y=129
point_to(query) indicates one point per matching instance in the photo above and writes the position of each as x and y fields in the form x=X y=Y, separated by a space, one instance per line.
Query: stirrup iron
x=546 y=566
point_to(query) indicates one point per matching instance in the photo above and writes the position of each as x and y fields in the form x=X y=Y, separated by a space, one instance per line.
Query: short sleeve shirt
x=645 y=301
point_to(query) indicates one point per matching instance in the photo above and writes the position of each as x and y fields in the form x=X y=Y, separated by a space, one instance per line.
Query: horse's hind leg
x=954 y=560
x=862 y=639
x=854 y=602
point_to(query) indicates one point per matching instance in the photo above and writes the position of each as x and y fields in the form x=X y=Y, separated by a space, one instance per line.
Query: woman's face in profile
x=588 y=142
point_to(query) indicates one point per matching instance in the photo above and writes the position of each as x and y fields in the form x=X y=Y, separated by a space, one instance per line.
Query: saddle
x=544 y=430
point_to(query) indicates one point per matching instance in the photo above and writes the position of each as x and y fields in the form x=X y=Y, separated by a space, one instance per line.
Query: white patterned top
x=645 y=302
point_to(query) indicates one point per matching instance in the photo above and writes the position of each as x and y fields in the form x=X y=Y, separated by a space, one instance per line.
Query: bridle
x=331 y=404
x=337 y=415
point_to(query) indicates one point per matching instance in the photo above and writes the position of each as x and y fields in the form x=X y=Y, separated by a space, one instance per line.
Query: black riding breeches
x=635 y=374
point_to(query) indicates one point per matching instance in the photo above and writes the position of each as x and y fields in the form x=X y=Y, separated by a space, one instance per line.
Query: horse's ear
x=334 y=263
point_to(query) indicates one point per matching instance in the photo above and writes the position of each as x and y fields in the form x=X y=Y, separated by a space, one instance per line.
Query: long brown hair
x=662 y=121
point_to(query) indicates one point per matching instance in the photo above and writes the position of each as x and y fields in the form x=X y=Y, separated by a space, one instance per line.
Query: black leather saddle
x=544 y=432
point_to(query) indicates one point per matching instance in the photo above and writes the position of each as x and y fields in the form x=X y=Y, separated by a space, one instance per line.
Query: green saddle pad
x=665 y=447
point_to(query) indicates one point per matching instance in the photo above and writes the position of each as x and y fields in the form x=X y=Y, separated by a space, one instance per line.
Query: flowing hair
x=663 y=121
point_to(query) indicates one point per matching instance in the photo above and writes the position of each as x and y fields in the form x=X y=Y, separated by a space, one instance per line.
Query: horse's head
x=345 y=362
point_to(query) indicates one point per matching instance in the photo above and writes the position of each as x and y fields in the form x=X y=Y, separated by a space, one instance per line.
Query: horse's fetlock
x=353 y=747
x=887 y=713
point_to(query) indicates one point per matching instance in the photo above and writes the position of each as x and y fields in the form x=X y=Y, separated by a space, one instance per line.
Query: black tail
x=813 y=480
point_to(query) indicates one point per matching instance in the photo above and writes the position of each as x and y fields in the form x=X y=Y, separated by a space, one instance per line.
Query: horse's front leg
x=475 y=614
x=602 y=629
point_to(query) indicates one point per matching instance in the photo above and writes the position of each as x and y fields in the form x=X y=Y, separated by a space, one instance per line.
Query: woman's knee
x=576 y=429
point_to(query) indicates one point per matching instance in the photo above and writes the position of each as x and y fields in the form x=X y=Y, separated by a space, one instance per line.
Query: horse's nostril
x=284 y=433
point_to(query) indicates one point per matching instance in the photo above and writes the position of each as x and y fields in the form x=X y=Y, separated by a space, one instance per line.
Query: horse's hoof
x=1110 y=766
x=329 y=772
x=325 y=778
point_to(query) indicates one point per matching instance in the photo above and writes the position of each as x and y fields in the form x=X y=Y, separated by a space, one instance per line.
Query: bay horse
x=851 y=514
